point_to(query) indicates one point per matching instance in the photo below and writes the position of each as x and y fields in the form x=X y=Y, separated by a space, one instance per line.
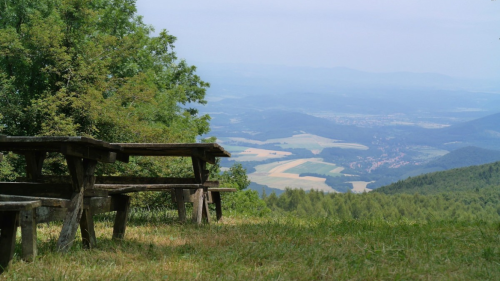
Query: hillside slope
x=463 y=179
x=483 y=132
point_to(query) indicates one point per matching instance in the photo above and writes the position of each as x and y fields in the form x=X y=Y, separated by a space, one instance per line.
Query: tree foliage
x=466 y=205
x=93 y=68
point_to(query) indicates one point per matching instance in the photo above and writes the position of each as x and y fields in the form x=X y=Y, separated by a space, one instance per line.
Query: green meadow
x=314 y=167
x=274 y=247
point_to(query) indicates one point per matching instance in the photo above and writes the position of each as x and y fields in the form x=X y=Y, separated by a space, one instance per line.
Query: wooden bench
x=9 y=220
x=55 y=209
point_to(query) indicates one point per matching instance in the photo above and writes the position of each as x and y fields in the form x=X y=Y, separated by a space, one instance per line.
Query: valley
x=349 y=136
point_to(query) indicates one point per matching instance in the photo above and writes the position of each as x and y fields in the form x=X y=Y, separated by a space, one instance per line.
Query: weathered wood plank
x=149 y=187
x=122 y=180
x=79 y=151
x=222 y=189
x=126 y=190
x=8 y=143
x=171 y=149
x=28 y=234
x=36 y=189
x=19 y=206
x=8 y=226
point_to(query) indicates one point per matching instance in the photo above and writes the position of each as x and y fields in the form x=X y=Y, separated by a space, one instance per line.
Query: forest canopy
x=93 y=68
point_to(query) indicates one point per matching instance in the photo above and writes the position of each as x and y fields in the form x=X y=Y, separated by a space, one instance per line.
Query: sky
x=460 y=38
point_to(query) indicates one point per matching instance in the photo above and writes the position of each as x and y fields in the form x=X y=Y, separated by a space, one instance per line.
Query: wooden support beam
x=81 y=173
x=34 y=163
x=86 y=152
x=89 y=240
x=8 y=225
x=202 y=155
x=28 y=223
x=181 y=206
x=206 y=212
x=217 y=202
x=122 y=205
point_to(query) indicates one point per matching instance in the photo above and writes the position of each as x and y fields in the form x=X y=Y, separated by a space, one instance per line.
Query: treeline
x=482 y=204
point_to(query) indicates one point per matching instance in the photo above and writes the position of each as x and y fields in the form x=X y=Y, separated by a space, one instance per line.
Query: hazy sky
x=455 y=37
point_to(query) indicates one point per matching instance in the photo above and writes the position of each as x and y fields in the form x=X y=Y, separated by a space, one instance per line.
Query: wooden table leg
x=217 y=202
x=89 y=240
x=28 y=234
x=8 y=226
x=82 y=176
x=181 y=206
x=206 y=212
x=200 y=207
x=122 y=205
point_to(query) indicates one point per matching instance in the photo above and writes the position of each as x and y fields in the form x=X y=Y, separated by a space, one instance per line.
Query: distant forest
x=459 y=194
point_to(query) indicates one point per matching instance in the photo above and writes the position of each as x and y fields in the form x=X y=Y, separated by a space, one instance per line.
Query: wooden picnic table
x=77 y=197
x=200 y=153
x=81 y=155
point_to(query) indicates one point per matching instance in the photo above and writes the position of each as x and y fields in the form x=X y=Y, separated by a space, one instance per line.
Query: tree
x=92 y=68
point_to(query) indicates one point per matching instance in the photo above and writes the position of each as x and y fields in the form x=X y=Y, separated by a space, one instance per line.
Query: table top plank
x=19 y=143
x=171 y=149
x=19 y=206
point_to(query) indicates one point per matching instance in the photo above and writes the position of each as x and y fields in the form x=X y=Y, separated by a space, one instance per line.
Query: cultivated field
x=285 y=174
x=307 y=141
x=256 y=154
x=272 y=248
x=317 y=167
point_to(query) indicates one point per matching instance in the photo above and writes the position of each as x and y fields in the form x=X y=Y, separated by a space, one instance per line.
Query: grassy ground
x=277 y=248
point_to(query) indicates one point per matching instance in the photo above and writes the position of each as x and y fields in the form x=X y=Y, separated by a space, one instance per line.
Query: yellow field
x=274 y=175
x=256 y=154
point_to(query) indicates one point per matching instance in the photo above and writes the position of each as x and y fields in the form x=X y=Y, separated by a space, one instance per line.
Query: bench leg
x=122 y=203
x=89 y=240
x=8 y=226
x=218 y=205
x=28 y=234
x=181 y=206
x=200 y=207
x=206 y=212
x=70 y=223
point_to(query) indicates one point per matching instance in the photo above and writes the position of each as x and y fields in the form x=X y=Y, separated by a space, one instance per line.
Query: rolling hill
x=471 y=178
